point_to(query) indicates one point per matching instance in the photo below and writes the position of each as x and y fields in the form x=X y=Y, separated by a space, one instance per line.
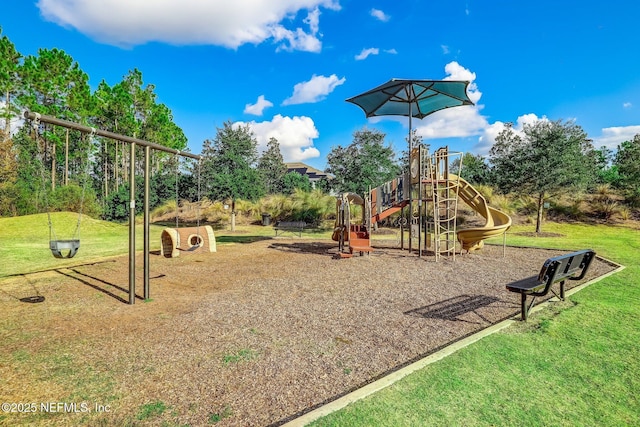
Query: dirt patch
x=251 y=335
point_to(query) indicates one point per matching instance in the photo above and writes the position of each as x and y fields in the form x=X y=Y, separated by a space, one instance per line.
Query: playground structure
x=430 y=192
x=187 y=239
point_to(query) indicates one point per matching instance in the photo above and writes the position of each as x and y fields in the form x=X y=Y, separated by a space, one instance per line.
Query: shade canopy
x=413 y=98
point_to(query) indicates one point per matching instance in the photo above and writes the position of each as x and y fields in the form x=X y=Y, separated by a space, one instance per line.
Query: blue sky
x=287 y=66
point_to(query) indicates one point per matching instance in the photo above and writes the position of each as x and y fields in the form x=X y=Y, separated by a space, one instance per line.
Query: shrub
x=214 y=212
x=605 y=202
x=278 y=206
x=312 y=207
x=165 y=211
x=73 y=198
x=625 y=213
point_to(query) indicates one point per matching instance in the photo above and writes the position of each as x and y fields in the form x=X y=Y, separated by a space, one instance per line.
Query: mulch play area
x=254 y=334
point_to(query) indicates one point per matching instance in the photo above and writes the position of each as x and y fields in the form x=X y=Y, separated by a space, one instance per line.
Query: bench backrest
x=573 y=266
x=292 y=224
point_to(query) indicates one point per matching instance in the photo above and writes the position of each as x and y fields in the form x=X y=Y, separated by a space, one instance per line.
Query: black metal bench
x=572 y=266
x=291 y=226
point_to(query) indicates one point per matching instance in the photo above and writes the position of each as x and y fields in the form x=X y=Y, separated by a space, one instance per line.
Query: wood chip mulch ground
x=256 y=333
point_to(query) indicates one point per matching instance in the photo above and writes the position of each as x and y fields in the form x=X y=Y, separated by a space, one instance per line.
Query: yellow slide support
x=496 y=223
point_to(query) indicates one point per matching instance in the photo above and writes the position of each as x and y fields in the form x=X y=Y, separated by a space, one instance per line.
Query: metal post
x=132 y=224
x=420 y=201
x=409 y=172
x=401 y=228
x=424 y=219
x=447 y=181
x=66 y=158
x=147 y=174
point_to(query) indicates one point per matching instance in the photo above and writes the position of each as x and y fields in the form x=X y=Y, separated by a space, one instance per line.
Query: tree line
x=552 y=158
x=51 y=168
x=46 y=167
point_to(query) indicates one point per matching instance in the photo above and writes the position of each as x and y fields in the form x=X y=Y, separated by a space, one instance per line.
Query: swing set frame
x=133 y=142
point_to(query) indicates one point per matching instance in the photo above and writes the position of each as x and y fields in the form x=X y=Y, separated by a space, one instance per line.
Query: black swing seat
x=59 y=246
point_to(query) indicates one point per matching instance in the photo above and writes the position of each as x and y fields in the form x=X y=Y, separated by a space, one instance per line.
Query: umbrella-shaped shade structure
x=412 y=98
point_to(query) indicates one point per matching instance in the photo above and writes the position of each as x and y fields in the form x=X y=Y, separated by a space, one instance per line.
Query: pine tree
x=9 y=82
x=272 y=168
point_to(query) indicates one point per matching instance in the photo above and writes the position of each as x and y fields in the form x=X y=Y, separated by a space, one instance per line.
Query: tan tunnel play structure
x=187 y=239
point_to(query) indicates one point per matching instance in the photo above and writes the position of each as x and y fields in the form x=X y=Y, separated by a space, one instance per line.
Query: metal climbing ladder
x=444 y=202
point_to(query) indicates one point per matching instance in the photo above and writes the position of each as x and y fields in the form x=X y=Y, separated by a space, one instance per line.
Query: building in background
x=313 y=173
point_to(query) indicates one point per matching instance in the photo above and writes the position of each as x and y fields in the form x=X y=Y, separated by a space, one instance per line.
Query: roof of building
x=303 y=169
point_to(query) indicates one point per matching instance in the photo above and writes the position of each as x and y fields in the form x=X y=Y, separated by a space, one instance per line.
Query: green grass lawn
x=576 y=366
x=25 y=240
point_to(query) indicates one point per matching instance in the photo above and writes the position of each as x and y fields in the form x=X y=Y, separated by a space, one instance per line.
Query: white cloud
x=294 y=134
x=488 y=137
x=298 y=39
x=456 y=122
x=445 y=49
x=456 y=71
x=613 y=136
x=391 y=51
x=467 y=121
x=380 y=15
x=313 y=90
x=627 y=105
x=491 y=131
x=528 y=119
x=257 y=108
x=230 y=24
x=452 y=122
x=366 y=52
x=610 y=137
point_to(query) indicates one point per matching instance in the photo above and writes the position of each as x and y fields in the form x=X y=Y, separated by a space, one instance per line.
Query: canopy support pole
x=409 y=175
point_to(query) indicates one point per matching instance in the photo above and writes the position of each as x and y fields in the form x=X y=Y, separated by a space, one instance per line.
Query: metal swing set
x=68 y=248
